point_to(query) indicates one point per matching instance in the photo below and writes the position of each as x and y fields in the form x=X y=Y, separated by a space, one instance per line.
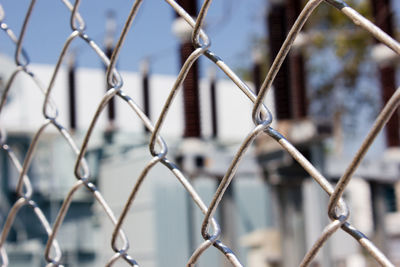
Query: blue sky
x=232 y=27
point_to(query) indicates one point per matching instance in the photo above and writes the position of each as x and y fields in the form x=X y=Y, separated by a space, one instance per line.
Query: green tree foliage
x=342 y=75
x=342 y=79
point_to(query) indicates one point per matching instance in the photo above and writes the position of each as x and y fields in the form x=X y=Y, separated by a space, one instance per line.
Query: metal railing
x=337 y=210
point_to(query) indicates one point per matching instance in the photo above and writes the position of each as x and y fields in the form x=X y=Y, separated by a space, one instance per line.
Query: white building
x=157 y=225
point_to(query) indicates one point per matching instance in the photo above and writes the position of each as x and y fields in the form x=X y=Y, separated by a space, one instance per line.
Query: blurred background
x=324 y=100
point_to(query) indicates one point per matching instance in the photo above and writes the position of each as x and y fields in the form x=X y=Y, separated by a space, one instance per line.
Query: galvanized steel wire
x=337 y=210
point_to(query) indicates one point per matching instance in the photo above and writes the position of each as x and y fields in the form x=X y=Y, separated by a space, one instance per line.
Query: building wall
x=24 y=110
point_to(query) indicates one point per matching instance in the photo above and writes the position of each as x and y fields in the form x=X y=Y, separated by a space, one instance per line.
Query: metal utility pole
x=190 y=85
x=111 y=27
x=72 y=91
x=145 y=90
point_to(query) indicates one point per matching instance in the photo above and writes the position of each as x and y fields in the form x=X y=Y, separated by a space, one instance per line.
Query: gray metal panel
x=116 y=179
x=254 y=204
x=206 y=188
x=171 y=224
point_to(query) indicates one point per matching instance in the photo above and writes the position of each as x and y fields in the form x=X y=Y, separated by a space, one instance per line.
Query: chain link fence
x=337 y=210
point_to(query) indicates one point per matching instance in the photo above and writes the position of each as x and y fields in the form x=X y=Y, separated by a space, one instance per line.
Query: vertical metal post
x=257 y=61
x=109 y=47
x=145 y=90
x=190 y=85
x=72 y=92
x=214 y=112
